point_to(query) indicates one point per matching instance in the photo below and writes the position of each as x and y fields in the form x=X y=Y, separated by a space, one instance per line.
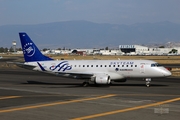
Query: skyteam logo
x=29 y=49
x=62 y=66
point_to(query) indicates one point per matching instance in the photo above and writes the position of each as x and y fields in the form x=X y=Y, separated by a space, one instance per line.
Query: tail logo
x=29 y=49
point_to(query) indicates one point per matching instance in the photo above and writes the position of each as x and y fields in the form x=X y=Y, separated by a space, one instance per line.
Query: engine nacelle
x=102 y=79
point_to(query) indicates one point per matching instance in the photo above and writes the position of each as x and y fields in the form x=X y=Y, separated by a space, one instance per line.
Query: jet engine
x=101 y=79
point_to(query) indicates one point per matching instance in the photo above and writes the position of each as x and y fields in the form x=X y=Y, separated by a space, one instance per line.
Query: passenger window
x=100 y=65
x=105 y=65
x=109 y=65
x=126 y=65
x=114 y=65
x=131 y=65
x=118 y=65
x=83 y=65
x=91 y=65
x=122 y=65
x=96 y=65
x=87 y=65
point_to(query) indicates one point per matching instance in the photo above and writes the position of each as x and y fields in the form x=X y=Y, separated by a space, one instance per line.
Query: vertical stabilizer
x=30 y=50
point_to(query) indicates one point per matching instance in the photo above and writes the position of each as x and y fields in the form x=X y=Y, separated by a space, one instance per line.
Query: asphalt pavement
x=31 y=95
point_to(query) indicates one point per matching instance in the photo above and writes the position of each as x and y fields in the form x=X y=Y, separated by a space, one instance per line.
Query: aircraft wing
x=75 y=74
x=22 y=65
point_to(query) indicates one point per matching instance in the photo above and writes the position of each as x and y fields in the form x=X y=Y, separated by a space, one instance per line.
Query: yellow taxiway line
x=9 y=97
x=55 y=103
x=126 y=110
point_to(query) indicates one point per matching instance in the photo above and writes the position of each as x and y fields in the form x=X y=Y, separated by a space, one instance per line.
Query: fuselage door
x=142 y=68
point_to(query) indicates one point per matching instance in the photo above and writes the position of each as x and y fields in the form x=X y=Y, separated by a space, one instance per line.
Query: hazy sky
x=99 y=11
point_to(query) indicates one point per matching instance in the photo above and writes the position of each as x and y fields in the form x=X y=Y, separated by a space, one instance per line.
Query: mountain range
x=85 y=34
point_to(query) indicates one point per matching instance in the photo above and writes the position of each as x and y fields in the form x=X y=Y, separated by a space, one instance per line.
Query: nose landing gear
x=148 y=80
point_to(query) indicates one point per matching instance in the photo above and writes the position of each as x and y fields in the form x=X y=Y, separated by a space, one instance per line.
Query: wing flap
x=75 y=74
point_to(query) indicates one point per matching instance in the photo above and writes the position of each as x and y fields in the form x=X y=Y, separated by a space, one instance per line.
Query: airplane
x=91 y=71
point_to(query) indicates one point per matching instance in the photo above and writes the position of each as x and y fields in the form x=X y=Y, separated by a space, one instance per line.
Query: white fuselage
x=116 y=69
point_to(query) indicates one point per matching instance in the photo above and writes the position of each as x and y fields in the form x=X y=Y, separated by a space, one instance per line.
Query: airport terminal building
x=143 y=50
x=122 y=50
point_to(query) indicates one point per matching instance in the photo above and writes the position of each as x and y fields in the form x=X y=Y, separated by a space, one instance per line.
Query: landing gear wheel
x=148 y=80
x=85 y=84
x=147 y=85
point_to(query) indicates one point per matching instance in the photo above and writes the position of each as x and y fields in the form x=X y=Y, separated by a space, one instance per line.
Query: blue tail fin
x=30 y=50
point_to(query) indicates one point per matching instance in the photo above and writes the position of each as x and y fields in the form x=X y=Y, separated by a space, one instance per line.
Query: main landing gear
x=148 y=80
x=85 y=84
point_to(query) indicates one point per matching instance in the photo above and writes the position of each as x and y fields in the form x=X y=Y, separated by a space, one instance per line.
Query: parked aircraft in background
x=91 y=71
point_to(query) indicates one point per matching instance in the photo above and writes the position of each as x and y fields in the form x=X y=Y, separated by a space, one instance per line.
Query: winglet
x=30 y=50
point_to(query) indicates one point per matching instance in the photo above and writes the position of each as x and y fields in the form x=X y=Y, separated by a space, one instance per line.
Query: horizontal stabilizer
x=22 y=65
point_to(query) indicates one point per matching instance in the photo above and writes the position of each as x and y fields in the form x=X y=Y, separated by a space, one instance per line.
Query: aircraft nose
x=167 y=72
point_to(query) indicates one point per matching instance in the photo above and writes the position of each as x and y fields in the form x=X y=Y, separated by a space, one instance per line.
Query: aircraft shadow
x=71 y=85
x=143 y=85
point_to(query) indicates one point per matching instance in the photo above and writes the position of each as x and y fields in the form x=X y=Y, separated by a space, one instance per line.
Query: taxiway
x=31 y=95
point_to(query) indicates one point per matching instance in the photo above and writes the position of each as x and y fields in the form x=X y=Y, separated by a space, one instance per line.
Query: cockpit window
x=156 y=65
